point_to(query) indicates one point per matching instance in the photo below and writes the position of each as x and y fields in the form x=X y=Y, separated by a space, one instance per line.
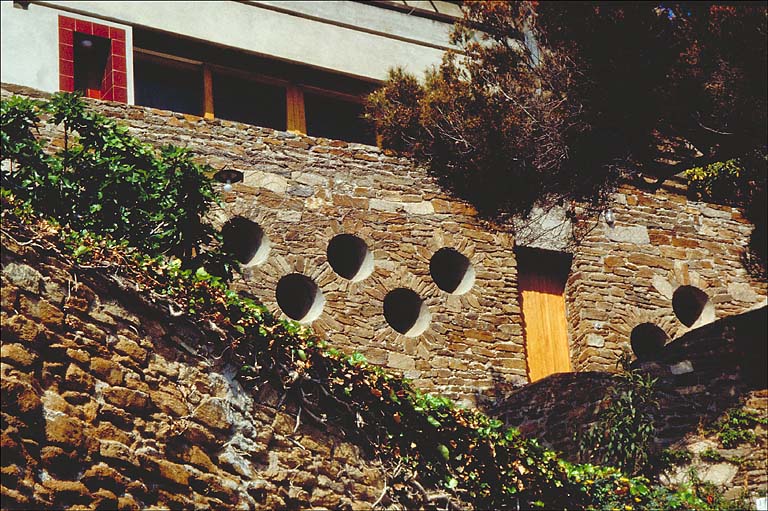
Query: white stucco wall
x=29 y=46
x=347 y=37
x=29 y=52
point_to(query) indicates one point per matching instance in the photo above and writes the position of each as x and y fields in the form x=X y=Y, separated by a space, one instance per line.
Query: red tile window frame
x=114 y=85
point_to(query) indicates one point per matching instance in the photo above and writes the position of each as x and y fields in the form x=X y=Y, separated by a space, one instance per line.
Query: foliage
x=551 y=102
x=739 y=182
x=464 y=452
x=104 y=180
x=623 y=434
x=736 y=427
x=712 y=455
x=713 y=496
x=671 y=457
x=715 y=180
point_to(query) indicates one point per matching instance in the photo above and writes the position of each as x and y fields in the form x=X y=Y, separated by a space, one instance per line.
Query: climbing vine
x=438 y=454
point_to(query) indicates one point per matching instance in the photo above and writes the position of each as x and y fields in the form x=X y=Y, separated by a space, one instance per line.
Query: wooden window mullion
x=296 y=120
x=207 y=92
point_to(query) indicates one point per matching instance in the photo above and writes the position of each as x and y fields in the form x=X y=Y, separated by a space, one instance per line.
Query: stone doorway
x=541 y=282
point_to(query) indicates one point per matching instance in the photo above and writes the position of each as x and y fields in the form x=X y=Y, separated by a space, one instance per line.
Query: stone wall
x=103 y=407
x=299 y=193
x=627 y=274
x=701 y=375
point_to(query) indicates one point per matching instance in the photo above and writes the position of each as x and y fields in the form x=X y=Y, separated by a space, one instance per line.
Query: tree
x=553 y=102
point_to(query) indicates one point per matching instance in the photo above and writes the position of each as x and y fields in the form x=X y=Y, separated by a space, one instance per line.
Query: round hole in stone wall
x=406 y=312
x=452 y=271
x=350 y=257
x=299 y=298
x=246 y=240
x=647 y=341
x=692 y=305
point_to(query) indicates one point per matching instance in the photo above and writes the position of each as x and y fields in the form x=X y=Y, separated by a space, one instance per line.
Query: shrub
x=106 y=181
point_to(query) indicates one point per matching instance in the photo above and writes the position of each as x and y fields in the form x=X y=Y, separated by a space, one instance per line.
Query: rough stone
x=214 y=414
x=126 y=399
x=64 y=431
x=719 y=474
x=681 y=367
x=400 y=361
x=23 y=276
x=78 y=379
x=595 y=340
x=637 y=235
x=41 y=310
x=107 y=370
x=132 y=350
x=17 y=355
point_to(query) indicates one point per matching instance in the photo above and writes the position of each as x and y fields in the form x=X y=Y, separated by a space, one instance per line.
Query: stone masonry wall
x=627 y=274
x=701 y=375
x=104 y=408
x=300 y=192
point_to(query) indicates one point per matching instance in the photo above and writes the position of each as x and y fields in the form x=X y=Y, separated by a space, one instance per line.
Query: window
x=239 y=99
x=191 y=76
x=92 y=59
x=91 y=54
x=168 y=84
x=331 y=117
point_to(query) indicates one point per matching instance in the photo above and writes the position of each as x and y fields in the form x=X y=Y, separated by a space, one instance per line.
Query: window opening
x=350 y=257
x=452 y=271
x=240 y=86
x=168 y=84
x=647 y=341
x=406 y=312
x=236 y=98
x=332 y=117
x=91 y=54
x=245 y=240
x=692 y=305
x=300 y=298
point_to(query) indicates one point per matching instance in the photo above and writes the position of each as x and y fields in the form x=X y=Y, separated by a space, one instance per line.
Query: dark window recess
x=298 y=296
x=241 y=100
x=647 y=341
x=402 y=309
x=337 y=119
x=204 y=52
x=168 y=85
x=91 y=54
x=242 y=238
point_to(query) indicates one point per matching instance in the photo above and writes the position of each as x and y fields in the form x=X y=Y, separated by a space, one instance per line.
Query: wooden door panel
x=541 y=286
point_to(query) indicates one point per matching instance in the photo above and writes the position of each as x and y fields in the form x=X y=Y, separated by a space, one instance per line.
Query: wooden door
x=541 y=282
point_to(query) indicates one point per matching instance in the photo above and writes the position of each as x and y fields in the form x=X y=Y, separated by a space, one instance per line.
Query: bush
x=106 y=181
x=623 y=435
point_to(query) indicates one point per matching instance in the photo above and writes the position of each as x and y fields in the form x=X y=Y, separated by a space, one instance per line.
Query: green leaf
x=433 y=421
x=444 y=452
x=82 y=249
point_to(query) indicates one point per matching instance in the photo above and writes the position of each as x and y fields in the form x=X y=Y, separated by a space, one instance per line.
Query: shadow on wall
x=700 y=376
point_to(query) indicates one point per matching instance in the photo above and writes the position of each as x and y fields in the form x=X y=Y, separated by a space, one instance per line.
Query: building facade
x=361 y=244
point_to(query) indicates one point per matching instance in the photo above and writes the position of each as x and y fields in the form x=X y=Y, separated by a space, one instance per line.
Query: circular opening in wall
x=647 y=341
x=452 y=271
x=245 y=240
x=692 y=305
x=349 y=256
x=299 y=298
x=406 y=312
